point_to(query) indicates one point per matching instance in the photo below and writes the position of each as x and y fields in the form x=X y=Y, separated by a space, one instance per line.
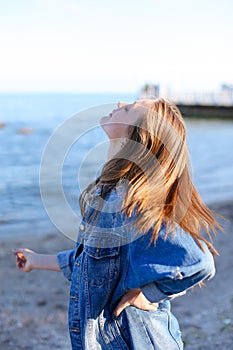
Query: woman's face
x=116 y=124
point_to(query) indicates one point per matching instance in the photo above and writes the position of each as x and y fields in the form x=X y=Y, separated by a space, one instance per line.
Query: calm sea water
x=22 y=211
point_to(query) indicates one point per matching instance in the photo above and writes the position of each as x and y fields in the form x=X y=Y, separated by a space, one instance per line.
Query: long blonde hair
x=154 y=162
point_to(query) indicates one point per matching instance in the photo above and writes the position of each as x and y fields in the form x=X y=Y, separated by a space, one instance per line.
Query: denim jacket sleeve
x=66 y=262
x=178 y=284
x=170 y=267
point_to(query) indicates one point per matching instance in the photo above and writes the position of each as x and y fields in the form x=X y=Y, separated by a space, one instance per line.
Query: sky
x=115 y=46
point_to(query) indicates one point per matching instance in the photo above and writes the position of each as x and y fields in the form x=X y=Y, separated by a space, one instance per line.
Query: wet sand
x=33 y=306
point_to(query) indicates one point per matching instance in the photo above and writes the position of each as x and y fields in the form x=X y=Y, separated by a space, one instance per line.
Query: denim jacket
x=109 y=259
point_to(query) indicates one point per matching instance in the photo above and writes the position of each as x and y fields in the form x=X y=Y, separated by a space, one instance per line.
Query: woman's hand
x=25 y=259
x=136 y=298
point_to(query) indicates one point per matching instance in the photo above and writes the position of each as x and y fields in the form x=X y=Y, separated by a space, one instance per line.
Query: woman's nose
x=121 y=104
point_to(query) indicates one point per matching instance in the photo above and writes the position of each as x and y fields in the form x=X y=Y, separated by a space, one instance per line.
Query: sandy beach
x=33 y=306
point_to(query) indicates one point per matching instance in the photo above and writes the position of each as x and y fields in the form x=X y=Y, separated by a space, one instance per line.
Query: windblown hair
x=154 y=162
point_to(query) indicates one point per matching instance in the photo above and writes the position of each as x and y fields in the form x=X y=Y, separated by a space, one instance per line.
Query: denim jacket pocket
x=100 y=264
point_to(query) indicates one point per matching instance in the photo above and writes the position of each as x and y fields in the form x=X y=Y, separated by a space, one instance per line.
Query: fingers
x=21 y=262
x=120 y=307
x=22 y=258
x=152 y=307
x=135 y=298
x=125 y=301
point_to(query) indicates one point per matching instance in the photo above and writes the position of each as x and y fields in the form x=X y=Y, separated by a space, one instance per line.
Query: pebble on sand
x=25 y=131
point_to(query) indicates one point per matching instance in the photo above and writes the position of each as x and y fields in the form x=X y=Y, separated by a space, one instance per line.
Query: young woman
x=140 y=241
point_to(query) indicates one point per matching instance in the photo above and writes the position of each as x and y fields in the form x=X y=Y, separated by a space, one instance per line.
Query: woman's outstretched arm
x=27 y=260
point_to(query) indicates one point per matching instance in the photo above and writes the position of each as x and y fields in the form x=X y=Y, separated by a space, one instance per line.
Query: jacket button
x=82 y=227
x=75 y=330
x=178 y=274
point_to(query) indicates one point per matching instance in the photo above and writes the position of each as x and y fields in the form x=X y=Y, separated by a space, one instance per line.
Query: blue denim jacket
x=108 y=261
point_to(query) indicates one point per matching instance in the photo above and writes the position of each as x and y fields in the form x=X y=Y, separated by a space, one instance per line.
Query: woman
x=140 y=242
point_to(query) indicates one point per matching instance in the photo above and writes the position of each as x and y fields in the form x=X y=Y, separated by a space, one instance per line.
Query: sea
x=43 y=135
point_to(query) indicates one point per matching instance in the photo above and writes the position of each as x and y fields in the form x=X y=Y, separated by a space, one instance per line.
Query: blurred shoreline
x=218 y=207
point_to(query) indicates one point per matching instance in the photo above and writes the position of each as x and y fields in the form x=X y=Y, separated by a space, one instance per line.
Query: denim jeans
x=134 y=329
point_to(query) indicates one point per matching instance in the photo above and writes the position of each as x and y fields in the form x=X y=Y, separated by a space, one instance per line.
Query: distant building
x=222 y=97
x=149 y=91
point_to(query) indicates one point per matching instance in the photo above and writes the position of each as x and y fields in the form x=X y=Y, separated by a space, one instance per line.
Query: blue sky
x=114 y=46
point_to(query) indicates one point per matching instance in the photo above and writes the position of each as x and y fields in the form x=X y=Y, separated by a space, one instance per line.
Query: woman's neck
x=114 y=147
